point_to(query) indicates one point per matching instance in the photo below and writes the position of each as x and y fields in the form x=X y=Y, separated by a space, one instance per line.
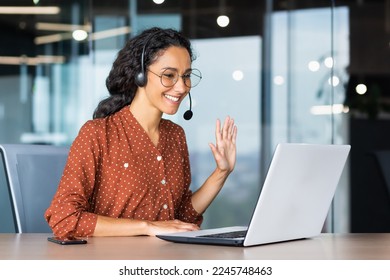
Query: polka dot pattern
x=113 y=169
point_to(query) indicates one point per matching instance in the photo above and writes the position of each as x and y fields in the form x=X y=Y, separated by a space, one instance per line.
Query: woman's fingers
x=158 y=227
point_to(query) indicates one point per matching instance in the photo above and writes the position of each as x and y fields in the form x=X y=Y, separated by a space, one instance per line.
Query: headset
x=141 y=79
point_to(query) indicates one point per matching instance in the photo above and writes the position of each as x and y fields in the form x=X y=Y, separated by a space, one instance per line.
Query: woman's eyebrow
x=173 y=68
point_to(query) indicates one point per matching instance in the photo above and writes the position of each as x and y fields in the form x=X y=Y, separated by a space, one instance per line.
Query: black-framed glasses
x=170 y=76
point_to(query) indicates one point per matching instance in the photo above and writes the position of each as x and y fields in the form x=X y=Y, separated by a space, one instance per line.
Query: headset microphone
x=188 y=114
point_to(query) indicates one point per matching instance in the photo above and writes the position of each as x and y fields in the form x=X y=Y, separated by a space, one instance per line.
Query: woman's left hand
x=224 y=150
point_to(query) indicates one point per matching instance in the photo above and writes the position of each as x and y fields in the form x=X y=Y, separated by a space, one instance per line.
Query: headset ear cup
x=140 y=79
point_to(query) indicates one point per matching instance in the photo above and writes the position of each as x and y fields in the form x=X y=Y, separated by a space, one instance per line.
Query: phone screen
x=65 y=241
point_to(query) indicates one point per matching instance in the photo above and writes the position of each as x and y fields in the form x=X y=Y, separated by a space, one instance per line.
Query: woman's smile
x=172 y=98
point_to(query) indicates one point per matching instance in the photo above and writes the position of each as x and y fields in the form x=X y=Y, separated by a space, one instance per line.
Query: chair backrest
x=32 y=173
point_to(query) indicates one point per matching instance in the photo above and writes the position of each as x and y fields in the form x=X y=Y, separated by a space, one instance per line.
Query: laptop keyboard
x=233 y=234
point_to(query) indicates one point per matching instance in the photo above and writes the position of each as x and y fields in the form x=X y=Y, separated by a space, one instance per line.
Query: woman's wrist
x=220 y=173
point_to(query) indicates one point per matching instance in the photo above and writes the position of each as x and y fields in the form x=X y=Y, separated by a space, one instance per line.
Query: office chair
x=32 y=173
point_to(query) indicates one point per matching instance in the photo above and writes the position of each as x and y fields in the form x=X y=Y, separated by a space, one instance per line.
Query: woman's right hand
x=171 y=226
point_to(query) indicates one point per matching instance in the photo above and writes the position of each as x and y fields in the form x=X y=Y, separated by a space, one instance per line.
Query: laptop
x=294 y=200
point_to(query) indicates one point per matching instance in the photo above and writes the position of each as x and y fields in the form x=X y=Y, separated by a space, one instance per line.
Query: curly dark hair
x=121 y=79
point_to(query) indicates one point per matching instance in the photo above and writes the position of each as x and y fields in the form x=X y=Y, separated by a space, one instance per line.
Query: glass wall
x=306 y=55
x=287 y=71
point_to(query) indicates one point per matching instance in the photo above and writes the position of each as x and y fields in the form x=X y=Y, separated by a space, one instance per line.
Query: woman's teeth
x=175 y=99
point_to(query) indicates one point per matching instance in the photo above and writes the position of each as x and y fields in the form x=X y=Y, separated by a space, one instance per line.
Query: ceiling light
x=328 y=62
x=334 y=81
x=15 y=10
x=25 y=60
x=279 y=80
x=361 y=89
x=93 y=36
x=238 y=75
x=61 y=27
x=79 y=35
x=110 y=33
x=52 y=38
x=314 y=66
x=328 y=109
x=223 y=21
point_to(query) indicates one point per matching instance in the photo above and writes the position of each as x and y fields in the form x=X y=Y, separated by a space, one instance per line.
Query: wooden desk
x=324 y=247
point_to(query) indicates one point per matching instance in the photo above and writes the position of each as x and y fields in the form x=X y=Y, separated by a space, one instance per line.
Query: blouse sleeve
x=186 y=211
x=69 y=213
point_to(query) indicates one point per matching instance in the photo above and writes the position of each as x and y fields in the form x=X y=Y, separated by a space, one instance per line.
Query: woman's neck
x=148 y=117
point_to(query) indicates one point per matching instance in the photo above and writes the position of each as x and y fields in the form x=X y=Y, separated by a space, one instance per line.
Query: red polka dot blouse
x=113 y=169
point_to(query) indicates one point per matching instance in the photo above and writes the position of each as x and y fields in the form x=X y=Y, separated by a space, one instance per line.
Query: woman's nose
x=180 y=86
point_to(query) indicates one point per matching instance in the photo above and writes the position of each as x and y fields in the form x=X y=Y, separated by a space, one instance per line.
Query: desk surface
x=374 y=246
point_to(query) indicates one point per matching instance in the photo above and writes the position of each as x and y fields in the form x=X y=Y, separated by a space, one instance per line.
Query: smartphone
x=65 y=241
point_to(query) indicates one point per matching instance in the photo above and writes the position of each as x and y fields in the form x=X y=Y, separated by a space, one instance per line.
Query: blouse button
x=159 y=158
x=163 y=182
x=126 y=165
x=165 y=206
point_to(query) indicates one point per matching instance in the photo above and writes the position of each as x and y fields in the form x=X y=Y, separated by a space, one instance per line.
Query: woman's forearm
x=202 y=198
x=107 y=226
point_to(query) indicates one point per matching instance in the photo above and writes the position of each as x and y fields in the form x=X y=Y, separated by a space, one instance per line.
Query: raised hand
x=224 y=150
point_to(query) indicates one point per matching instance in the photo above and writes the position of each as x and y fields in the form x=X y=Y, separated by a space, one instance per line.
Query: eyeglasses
x=170 y=76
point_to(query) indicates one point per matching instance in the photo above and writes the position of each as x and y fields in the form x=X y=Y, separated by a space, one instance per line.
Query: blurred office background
x=288 y=71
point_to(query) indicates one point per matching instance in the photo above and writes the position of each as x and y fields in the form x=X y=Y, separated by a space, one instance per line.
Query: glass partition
x=306 y=56
x=287 y=71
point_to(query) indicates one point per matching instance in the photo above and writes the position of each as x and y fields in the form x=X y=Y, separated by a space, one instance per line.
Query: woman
x=128 y=170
